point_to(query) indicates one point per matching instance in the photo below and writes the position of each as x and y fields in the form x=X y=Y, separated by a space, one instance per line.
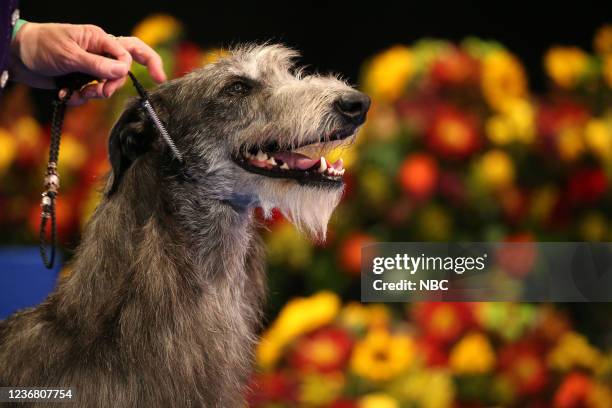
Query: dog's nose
x=353 y=106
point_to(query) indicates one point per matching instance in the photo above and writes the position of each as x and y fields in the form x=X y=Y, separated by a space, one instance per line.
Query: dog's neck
x=165 y=253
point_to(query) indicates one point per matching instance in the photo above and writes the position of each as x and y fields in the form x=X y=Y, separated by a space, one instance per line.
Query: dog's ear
x=130 y=137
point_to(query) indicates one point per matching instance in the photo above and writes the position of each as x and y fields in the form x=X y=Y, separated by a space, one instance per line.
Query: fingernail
x=89 y=93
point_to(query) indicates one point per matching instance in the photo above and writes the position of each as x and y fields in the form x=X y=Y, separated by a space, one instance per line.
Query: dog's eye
x=238 y=88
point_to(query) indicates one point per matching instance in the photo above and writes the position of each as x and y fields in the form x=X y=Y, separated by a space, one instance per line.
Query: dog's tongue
x=296 y=160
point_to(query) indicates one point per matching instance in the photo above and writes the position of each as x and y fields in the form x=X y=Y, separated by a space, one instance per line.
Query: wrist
x=19 y=33
x=17 y=27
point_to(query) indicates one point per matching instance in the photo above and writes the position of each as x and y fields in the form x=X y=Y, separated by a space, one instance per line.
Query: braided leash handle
x=52 y=181
x=73 y=82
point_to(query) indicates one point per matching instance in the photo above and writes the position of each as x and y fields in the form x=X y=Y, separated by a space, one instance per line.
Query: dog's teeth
x=284 y=166
x=271 y=161
x=341 y=172
x=261 y=156
x=323 y=166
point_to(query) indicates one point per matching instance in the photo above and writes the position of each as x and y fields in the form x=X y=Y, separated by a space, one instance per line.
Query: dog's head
x=253 y=130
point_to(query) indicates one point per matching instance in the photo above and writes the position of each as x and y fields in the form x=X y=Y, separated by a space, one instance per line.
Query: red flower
x=343 y=403
x=418 y=175
x=452 y=134
x=552 y=118
x=350 y=252
x=443 y=322
x=454 y=68
x=323 y=351
x=271 y=387
x=515 y=204
x=573 y=391
x=517 y=260
x=586 y=186
x=188 y=58
x=524 y=366
x=432 y=352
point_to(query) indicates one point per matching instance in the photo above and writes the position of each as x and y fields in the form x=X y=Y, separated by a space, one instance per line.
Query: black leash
x=71 y=83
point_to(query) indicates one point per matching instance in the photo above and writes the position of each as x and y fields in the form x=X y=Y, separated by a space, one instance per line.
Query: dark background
x=338 y=36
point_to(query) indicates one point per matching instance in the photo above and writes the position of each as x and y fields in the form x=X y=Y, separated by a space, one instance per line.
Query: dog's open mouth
x=271 y=161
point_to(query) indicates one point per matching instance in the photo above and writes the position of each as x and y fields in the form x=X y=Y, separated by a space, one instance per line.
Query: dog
x=164 y=303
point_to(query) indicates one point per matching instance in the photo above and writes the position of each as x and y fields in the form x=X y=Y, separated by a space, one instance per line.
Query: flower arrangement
x=320 y=353
x=457 y=147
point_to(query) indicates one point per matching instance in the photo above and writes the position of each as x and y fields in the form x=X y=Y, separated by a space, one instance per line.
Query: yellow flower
x=28 y=133
x=320 y=390
x=157 y=29
x=299 y=316
x=598 y=138
x=593 y=227
x=416 y=388
x=434 y=223
x=603 y=39
x=381 y=356
x=388 y=73
x=574 y=350
x=570 y=143
x=496 y=169
x=543 y=202
x=287 y=246
x=607 y=69
x=8 y=150
x=499 y=129
x=502 y=78
x=600 y=396
x=375 y=185
x=565 y=65
x=517 y=122
x=472 y=355
x=358 y=316
x=522 y=116
x=72 y=155
x=378 y=400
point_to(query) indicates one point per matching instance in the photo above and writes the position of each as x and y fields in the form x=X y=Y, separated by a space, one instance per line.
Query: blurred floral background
x=457 y=147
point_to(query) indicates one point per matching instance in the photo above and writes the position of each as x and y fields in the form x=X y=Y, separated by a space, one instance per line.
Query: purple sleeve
x=9 y=14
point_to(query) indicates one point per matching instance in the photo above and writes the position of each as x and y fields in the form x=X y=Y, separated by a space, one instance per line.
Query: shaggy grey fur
x=164 y=301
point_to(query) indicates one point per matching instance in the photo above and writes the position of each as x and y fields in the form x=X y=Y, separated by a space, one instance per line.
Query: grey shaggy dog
x=164 y=303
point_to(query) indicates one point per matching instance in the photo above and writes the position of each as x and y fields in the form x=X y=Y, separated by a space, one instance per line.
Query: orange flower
x=603 y=39
x=419 y=175
x=324 y=351
x=443 y=322
x=573 y=391
x=350 y=252
x=452 y=133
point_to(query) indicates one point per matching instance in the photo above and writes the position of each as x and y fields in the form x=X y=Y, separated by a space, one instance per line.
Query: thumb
x=99 y=66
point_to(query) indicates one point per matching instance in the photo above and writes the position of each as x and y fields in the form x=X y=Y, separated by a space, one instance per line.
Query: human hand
x=41 y=51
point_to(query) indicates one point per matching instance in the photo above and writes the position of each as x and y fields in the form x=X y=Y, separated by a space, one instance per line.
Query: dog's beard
x=308 y=208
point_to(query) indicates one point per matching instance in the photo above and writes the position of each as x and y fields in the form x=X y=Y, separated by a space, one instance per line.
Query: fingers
x=111 y=86
x=99 y=66
x=145 y=55
x=91 y=91
x=100 y=55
